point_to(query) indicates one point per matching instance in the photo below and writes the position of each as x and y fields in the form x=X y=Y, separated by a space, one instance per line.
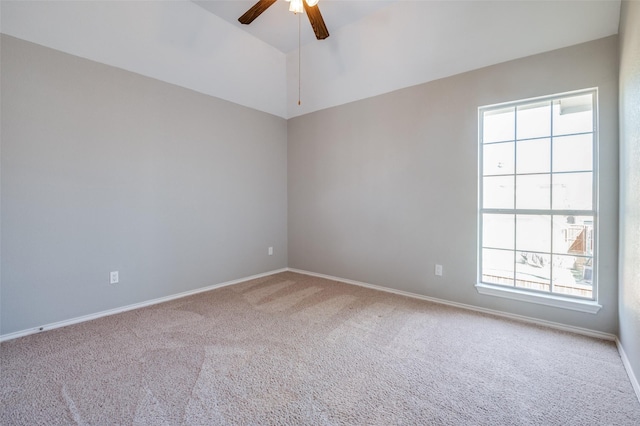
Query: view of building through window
x=537 y=194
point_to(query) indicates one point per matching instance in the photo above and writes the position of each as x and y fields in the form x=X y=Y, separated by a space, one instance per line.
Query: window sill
x=588 y=306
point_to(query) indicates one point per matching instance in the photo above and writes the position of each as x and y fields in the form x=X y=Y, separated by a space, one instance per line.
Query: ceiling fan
x=297 y=6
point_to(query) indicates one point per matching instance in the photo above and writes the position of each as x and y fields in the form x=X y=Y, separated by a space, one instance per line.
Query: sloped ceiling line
x=375 y=46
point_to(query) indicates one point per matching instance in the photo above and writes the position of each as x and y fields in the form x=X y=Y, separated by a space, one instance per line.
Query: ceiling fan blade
x=255 y=11
x=317 y=23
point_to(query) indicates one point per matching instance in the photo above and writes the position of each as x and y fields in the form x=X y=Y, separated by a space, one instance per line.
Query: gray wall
x=382 y=189
x=103 y=170
x=630 y=182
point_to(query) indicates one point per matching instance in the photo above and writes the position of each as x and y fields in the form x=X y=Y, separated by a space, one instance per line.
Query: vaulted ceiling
x=375 y=46
x=279 y=27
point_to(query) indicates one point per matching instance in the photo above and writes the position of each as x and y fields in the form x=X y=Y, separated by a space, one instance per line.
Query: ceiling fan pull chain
x=299 y=59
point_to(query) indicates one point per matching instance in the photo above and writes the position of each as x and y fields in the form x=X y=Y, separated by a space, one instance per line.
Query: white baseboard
x=522 y=318
x=558 y=326
x=627 y=366
x=550 y=324
x=114 y=311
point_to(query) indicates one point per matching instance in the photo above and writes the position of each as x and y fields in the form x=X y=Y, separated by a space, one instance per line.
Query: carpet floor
x=290 y=349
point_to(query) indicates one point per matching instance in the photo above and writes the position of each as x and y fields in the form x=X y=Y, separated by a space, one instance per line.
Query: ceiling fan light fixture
x=296 y=6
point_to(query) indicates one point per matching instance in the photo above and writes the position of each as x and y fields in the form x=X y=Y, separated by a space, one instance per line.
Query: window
x=537 y=196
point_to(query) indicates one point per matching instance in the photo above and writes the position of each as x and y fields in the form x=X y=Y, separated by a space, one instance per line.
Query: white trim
x=553 y=299
x=627 y=366
x=588 y=306
x=550 y=324
x=539 y=98
x=114 y=311
x=522 y=318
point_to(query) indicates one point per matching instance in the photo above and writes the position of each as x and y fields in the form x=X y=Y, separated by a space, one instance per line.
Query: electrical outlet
x=270 y=251
x=438 y=270
x=113 y=277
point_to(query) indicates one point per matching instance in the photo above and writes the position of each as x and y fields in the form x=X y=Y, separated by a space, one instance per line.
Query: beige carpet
x=290 y=350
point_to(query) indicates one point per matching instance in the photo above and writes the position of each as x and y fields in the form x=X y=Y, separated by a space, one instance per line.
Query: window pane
x=573 y=153
x=498 y=125
x=497 y=192
x=573 y=235
x=534 y=120
x=497 y=267
x=573 y=115
x=573 y=275
x=572 y=191
x=534 y=156
x=498 y=230
x=497 y=159
x=533 y=192
x=533 y=233
x=533 y=271
x=538 y=167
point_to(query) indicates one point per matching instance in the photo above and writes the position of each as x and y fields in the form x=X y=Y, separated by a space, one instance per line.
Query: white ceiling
x=375 y=46
x=279 y=27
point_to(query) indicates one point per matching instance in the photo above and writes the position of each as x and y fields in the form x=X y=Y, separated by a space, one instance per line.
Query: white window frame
x=523 y=294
